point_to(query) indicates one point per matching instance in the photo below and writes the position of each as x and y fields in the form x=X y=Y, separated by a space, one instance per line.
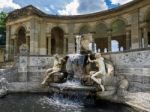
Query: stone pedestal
x=23 y=63
x=71 y=44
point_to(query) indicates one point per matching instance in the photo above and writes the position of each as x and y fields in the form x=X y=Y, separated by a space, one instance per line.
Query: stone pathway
x=139 y=100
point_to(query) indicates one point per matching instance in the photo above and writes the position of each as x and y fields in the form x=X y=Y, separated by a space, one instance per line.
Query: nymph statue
x=57 y=67
x=97 y=75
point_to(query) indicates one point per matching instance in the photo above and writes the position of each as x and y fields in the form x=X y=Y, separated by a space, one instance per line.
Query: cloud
x=70 y=9
x=47 y=9
x=8 y=4
x=83 y=6
x=88 y=6
x=120 y=1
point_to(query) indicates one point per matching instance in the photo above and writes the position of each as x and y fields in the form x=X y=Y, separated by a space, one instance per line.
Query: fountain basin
x=72 y=89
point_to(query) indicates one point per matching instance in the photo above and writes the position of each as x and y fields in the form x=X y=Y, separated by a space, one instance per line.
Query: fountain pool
x=56 y=103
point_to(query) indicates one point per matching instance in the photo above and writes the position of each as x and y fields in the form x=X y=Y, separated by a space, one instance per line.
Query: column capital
x=109 y=32
x=28 y=33
x=48 y=35
x=143 y=25
x=128 y=32
x=66 y=35
x=13 y=36
x=69 y=34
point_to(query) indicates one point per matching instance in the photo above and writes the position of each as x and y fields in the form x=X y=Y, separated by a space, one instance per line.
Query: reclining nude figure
x=97 y=76
x=57 y=67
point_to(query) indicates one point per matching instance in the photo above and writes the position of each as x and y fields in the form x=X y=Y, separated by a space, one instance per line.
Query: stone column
x=34 y=38
x=23 y=64
x=7 y=43
x=15 y=44
x=128 y=40
x=140 y=37
x=135 y=29
x=49 y=44
x=65 y=38
x=71 y=44
x=109 y=41
x=28 y=41
x=145 y=37
x=11 y=48
x=42 y=41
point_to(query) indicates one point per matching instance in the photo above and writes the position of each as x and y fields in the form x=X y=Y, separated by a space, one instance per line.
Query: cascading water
x=71 y=93
x=73 y=86
x=75 y=66
x=72 y=90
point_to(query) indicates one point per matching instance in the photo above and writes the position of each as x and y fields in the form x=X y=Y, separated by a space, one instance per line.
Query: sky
x=63 y=7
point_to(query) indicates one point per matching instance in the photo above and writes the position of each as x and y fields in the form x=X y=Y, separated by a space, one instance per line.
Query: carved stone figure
x=57 y=67
x=99 y=61
x=85 y=41
x=3 y=88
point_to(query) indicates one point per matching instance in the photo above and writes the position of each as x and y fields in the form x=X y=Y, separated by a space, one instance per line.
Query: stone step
x=35 y=77
x=72 y=89
x=26 y=87
x=109 y=91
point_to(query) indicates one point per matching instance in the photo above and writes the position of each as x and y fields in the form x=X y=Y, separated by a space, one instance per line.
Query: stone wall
x=37 y=66
x=135 y=66
x=31 y=68
x=2 y=55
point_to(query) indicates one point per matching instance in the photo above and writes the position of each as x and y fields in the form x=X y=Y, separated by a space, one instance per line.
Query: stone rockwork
x=3 y=87
x=135 y=67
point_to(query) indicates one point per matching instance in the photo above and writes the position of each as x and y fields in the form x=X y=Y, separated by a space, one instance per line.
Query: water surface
x=53 y=103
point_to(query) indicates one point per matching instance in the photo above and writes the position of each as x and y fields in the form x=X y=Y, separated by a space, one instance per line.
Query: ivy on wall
x=2 y=28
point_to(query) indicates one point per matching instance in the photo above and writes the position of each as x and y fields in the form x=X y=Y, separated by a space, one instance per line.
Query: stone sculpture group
x=96 y=71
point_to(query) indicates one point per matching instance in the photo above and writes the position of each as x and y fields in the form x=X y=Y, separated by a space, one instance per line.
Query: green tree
x=3 y=16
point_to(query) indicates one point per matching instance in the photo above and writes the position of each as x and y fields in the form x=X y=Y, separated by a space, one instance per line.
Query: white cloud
x=70 y=9
x=8 y=4
x=103 y=5
x=46 y=9
x=86 y=6
x=52 y=7
x=120 y=1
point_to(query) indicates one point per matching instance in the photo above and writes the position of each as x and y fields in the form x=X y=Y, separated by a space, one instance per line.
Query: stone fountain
x=77 y=79
x=74 y=80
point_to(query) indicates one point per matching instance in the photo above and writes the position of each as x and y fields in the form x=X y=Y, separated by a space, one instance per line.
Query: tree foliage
x=3 y=28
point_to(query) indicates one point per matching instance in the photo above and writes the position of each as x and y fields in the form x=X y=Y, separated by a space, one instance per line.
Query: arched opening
x=57 y=40
x=84 y=30
x=21 y=37
x=119 y=33
x=148 y=29
x=114 y=45
x=100 y=37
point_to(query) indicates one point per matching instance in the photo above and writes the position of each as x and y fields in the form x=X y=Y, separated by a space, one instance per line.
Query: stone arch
x=57 y=40
x=118 y=27
x=100 y=30
x=20 y=26
x=146 y=15
x=21 y=37
x=84 y=29
x=118 y=32
x=147 y=21
x=62 y=27
x=114 y=45
x=100 y=36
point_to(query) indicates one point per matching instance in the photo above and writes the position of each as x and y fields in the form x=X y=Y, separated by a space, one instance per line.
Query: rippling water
x=46 y=103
